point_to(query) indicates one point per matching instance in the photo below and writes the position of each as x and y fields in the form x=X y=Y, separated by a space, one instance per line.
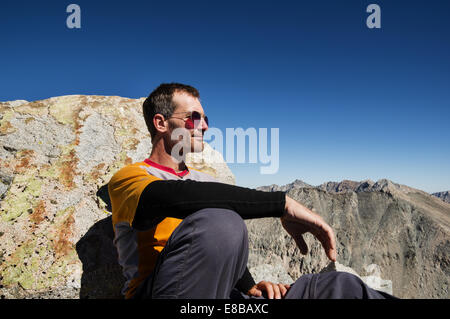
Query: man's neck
x=161 y=157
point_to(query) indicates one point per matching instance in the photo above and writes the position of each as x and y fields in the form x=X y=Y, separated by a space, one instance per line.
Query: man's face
x=185 y=104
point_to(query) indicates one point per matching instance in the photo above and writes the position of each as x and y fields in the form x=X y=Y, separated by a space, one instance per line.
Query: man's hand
x=297 y=220
x=271 y=289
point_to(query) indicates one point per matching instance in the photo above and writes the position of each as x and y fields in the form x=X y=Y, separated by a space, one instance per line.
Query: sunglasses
x=192 y=119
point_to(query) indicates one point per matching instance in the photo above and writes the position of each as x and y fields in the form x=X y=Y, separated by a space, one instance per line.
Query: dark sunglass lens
x=196 y=116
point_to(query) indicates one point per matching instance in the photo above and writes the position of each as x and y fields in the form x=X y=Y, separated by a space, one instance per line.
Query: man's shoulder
x=146 y=170
x=131 y=172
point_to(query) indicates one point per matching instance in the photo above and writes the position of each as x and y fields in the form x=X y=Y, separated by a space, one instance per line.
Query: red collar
x=166 y=169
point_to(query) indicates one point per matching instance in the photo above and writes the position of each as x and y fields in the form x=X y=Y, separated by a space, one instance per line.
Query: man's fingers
x=269 y=290
x=283 y=289
x=257 y=293
x=324 y=233
x=276 y=291
x=326 y=238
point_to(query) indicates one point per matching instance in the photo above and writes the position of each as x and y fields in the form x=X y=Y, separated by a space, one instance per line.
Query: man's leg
x=204 y=257
x=333 y=285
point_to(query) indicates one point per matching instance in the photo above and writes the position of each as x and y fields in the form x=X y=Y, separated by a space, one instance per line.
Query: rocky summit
x=58 y=154
x=402 y=231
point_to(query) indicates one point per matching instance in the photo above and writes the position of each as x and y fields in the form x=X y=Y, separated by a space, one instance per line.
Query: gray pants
x=207 y=254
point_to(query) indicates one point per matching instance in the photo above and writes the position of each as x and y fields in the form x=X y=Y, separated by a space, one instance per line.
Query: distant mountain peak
x=382 y=185
x=445 y=196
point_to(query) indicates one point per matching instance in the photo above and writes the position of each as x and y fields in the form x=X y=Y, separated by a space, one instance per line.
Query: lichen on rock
x=55 y=157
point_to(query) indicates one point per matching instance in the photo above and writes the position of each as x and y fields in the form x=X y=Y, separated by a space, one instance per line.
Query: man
x=180 y=234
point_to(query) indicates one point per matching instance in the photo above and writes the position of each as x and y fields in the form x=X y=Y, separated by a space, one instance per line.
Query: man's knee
x=342 y=285
x=221 y=223
x=348 y=279
x=221 y=229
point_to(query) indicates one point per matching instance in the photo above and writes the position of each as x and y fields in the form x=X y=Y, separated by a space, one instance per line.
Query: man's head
x=169 y=109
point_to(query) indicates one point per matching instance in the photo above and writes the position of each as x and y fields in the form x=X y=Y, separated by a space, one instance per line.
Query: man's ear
x=160 y=123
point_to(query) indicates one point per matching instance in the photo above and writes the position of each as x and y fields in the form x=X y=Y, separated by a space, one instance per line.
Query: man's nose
x=204 y=124
x=201 y=124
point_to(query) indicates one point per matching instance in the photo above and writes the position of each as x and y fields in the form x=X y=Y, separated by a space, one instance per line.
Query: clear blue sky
x=350 y=102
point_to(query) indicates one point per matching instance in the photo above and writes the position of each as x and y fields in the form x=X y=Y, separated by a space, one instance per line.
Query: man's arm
x=181 y=198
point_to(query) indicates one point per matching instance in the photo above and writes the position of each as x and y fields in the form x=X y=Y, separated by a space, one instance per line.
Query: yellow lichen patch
x=22 y=195
x=5 y=126
x=122 y=131
x=50 y=172
x=33 y=266
x=17 y=269
x=121 y=161
x=27 y=265
x=64 y=169
x=113 y=106
x=37 y=108
x=65 y=109
x=130 y=144
x=13 y=205
x=57 y=272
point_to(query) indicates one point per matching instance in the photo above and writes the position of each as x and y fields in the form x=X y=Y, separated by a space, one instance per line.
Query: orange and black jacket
x=149 y=201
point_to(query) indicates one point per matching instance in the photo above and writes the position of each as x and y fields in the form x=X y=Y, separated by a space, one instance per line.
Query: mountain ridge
x=351 y=185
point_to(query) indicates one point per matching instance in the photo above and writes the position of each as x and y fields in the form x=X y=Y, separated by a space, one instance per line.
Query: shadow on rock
x=104 y=195
x=102 y=275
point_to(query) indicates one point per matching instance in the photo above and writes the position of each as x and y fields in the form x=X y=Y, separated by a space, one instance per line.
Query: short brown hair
x=160 y=102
